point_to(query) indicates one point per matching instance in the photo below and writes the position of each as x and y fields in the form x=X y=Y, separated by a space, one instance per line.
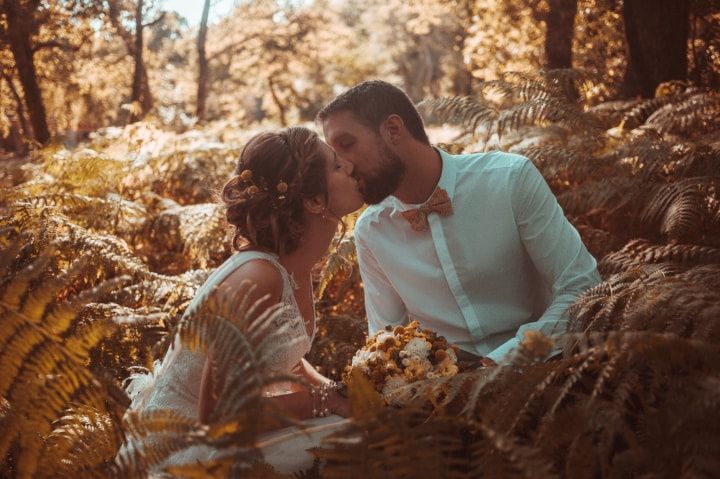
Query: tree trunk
x=130 y=41
x=18 y=33
x=559 y=35
x=146 y=99
x=138 y=74
x=20 y=111
x=140 y=87
x=657 y=37
x=200 y=108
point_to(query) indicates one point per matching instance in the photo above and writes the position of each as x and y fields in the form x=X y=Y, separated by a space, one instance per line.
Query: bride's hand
x=338 y=404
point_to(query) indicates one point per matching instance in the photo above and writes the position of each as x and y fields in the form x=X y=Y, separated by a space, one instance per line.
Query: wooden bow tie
x=438 y=202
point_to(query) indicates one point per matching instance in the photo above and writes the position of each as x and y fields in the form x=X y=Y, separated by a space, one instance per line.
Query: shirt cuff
x=499 y=353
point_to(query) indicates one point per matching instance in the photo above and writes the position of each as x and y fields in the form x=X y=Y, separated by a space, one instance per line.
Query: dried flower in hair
x=252 y=190
x=282 y=187
x=246 y=175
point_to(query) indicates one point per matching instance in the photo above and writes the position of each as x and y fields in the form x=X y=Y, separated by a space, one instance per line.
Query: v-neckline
x=290 y=278
x=311 y=333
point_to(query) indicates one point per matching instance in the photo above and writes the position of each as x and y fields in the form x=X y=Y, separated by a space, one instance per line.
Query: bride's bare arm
x=299 y=403
x=306 y=370
x=269 y=283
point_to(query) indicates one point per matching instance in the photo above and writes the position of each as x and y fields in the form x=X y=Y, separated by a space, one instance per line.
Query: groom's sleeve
x=382 y=303
x=556 y=249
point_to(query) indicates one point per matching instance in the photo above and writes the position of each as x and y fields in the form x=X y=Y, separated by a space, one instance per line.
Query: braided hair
x=265 y=206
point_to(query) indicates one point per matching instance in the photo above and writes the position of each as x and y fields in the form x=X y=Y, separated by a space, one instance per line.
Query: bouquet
x=398 y=356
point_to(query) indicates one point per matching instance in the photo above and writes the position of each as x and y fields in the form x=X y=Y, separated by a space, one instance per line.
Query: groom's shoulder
x=489 y=161
x=368 y=217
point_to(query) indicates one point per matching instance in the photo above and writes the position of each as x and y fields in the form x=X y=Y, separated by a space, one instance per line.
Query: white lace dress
x=175 y=381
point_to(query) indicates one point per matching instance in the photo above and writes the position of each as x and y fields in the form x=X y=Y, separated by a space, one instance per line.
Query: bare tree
x=200 y=108
x=140 y=94
x=657 y=37
x=21 y=26
x=560 y=20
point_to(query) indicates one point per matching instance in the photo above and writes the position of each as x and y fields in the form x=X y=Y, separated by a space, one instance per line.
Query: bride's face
x=342 y=188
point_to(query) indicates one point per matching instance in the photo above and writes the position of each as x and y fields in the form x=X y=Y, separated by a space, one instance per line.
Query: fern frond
x=111 y=214
x=187 y=237
x=467 y=112
x=642 y=111
x=188 y=176
x=83 y=172
x=496 y=455
x=592 y=310
x=611 y=194
x=394 y=443
x=697 y=113
x=677 y=208
x=44 y=355
x=565 y=164
x=156 y=435
x=541 y=112
x=518 y=86
x=82 y=441
x=699 y=160
x=612 y=112
x=342 y=258
x=640 y=251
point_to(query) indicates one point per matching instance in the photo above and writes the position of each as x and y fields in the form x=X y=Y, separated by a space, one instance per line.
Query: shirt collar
x=446 y=182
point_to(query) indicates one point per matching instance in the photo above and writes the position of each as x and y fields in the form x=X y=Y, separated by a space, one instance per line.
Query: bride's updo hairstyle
x=264 y=198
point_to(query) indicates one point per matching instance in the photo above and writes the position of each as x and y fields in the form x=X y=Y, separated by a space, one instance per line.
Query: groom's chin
x=374 y=197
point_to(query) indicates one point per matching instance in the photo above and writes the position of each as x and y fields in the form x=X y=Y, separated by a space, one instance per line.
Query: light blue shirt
x=506 y=261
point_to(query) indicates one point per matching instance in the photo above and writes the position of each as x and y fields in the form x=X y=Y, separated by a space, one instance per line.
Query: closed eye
x=336 y=162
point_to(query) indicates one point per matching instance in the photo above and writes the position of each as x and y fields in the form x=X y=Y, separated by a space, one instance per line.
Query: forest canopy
x=68 y=68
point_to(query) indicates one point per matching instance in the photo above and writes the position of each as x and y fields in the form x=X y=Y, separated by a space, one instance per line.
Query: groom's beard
x=384 y=180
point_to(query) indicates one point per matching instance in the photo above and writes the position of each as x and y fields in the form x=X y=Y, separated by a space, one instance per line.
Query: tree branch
x=64 y=46
x=127 y=37
x=156 y=21
x=233 y=47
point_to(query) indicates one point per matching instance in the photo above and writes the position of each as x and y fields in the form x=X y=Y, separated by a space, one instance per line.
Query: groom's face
x=376 y=166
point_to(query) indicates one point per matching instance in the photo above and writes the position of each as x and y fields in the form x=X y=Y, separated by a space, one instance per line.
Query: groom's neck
x=423 y=167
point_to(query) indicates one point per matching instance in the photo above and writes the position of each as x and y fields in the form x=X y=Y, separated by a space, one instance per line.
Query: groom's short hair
x=372 y=102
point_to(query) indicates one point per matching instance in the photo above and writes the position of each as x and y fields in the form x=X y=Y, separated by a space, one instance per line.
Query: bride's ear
x=317 y=205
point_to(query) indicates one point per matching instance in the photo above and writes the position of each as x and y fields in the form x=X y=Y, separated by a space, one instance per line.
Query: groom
x=472 y=246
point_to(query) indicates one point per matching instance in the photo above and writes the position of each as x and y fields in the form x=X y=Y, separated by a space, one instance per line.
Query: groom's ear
x=315 y=205
x=393 y=127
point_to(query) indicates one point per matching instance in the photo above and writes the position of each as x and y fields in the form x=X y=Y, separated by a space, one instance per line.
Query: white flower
x=418 y=347
x=363 y=357
x=451 y=355
x=383 y=336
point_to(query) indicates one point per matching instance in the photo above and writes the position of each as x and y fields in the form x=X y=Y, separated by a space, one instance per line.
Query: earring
x=324 y=212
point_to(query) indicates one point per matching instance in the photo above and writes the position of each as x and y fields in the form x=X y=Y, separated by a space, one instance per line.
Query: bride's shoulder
x=263 y=273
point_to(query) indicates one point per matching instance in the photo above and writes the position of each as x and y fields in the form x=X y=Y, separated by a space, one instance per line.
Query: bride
x=285 y=202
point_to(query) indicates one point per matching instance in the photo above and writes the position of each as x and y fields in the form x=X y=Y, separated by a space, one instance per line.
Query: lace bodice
x=174 y=382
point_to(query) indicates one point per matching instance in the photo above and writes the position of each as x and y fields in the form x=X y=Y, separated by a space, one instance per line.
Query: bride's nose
x=347 y=166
